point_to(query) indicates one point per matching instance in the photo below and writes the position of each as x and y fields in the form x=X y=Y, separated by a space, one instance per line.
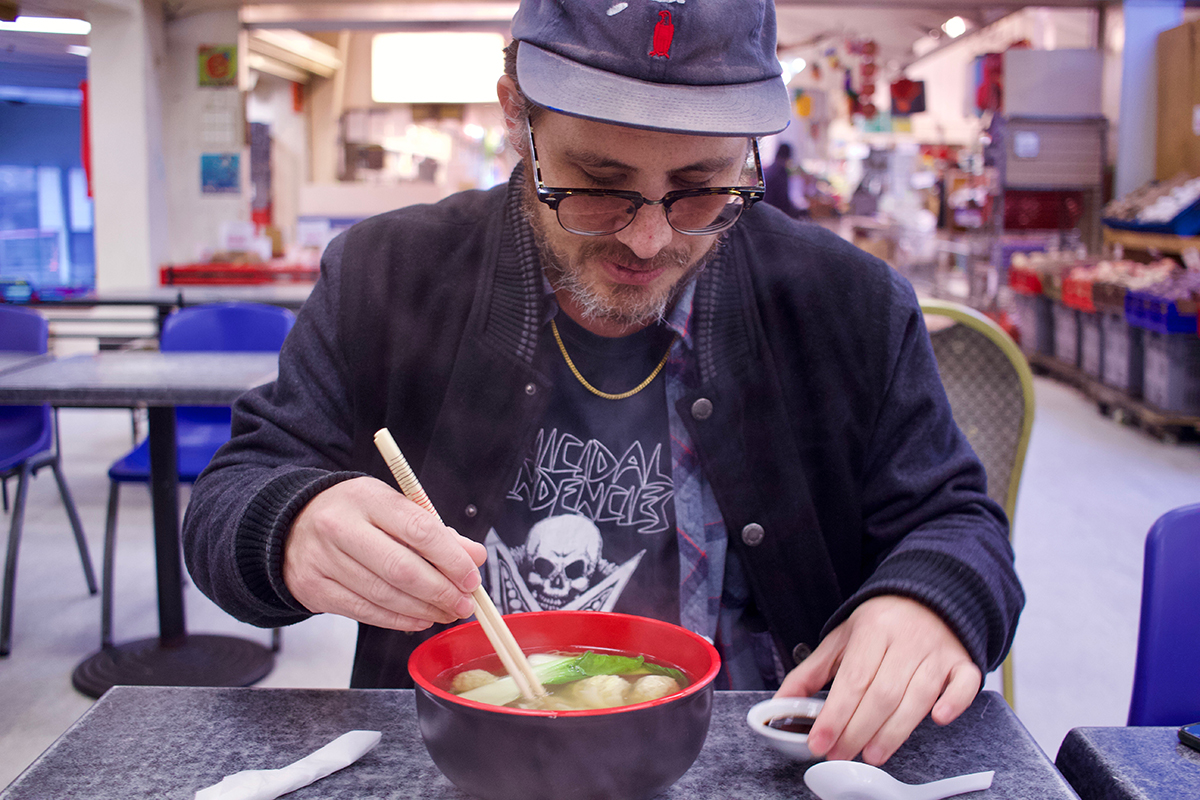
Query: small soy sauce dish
x=785 y=722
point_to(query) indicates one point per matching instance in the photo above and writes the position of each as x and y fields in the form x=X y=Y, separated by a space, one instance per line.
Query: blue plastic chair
x=29 y=442
x=1166 y=678
x=199 y=430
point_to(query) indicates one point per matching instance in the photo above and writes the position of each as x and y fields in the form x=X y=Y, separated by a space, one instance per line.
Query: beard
x=626 y=305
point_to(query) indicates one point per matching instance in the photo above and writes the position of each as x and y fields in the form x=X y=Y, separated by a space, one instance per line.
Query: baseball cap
x=685 y=66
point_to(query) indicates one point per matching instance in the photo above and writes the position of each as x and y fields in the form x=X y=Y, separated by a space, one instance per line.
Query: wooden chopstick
x=494 y=627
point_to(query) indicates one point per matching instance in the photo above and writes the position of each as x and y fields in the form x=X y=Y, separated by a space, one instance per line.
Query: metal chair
x=200 y=430
x=990 y=388
x=29 y=442
x=1166 y=675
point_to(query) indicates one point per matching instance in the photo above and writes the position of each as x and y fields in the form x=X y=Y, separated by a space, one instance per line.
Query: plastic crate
x=1077 y=293
x=1185 y=223
x=1024 y=281
x=1066 y=334
x=1158 y=314
x=1172 y=373
x=1109 y=297
x=1124 y=354
x=1091 y=344
x=1035 y=322
x=1052 y=281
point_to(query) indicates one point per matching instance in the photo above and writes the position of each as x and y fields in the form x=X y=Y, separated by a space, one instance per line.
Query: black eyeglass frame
x=553 y=196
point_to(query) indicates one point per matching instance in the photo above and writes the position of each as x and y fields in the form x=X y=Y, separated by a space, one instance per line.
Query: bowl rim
x=697 y=686
x=760 y=712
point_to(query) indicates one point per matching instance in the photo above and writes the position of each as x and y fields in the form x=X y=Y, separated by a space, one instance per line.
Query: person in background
x=626 y=385
x=778 y=178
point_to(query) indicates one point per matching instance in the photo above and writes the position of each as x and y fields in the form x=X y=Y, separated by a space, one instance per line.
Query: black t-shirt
x=589 y=522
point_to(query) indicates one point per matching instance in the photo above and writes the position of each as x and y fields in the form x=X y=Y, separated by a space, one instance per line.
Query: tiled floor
x=1091 y=490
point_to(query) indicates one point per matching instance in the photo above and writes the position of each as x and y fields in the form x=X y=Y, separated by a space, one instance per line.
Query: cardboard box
x=1053 y=83
x=1178 y=141
x=1060 y=153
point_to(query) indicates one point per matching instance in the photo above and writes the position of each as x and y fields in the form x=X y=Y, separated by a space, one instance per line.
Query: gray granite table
x=1129 y=764
x=159 y=382
x=168 y=743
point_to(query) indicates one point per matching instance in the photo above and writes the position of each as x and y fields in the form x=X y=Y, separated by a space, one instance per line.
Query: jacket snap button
x=471 y=510
x=801 y=652
x=753 y=534
x=530 y=389
x=702 y=408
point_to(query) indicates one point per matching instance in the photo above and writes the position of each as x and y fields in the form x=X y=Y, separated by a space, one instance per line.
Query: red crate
x=229 y=273
x=1077 y=293
x=1024 y=281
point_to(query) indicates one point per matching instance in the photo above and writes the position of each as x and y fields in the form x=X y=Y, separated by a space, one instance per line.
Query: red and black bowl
x=627 y=753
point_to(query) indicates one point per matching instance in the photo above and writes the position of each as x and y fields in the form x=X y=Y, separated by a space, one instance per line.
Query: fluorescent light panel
x=77 y=27
x=450 y=67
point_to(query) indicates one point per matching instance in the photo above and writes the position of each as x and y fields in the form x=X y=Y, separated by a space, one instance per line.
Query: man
x=778 y=180
x=622 y=392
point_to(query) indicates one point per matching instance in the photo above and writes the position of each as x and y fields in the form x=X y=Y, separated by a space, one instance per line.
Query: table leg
x=174 y=658
x=164 y=498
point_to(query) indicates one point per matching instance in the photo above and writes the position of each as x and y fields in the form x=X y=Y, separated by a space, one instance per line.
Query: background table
x=159 y=381
x=168 y=743
x=15 y=359
x=1129 y=764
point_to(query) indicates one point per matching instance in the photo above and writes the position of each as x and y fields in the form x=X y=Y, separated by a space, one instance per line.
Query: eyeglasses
x=601 y=212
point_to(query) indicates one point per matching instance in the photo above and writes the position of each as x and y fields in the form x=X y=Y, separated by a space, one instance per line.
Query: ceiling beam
x=400 y=16
x=947 y=5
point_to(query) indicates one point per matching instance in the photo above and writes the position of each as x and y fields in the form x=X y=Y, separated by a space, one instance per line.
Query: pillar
x=1136 y=135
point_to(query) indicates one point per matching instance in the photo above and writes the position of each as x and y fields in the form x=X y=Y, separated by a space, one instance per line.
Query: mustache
x=619 y=253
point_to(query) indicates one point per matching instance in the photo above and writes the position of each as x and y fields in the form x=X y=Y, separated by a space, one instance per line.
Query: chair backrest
x=990 y=388
x=23 y=330
x=24 y=430
x=227 y=326
x=223 y=327
x=1166 y=677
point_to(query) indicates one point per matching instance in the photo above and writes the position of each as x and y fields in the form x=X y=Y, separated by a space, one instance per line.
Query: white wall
x=128 y=171
x=948 y=76
x=194 y=122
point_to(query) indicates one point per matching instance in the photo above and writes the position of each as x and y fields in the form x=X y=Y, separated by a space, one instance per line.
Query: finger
x=389 y=574
x=409 y=586
x=859 y=664
x=919 y=696
x=965 y=680
x=814 y=672
x=879 y=700
x=346 y=603
x=475 y=550
x=419 y=530
x=314 y=566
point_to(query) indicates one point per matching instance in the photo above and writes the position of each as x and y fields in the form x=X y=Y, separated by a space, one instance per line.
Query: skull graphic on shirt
x=561 y=559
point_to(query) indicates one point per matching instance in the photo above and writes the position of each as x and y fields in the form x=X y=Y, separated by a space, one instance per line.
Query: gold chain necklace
x=575 y=370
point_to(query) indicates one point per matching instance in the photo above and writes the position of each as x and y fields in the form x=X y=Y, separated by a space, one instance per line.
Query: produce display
x=1155 y=204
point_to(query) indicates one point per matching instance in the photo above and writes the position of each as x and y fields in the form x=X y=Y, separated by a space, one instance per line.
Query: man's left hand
x=892 y=662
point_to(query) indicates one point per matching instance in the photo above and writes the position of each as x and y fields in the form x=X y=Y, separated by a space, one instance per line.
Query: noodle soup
x=574 y=681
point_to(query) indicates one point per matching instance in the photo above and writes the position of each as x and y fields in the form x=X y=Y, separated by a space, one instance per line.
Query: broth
x=606 y=683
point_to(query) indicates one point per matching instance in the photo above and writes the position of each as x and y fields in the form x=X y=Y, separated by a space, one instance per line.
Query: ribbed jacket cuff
x=264 y=529
x=949 y=588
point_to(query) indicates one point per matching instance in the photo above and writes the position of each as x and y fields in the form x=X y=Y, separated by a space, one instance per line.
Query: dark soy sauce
x=791 y=723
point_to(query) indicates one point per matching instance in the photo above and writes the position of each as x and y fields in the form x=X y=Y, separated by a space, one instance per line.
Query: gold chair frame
x=964 y=315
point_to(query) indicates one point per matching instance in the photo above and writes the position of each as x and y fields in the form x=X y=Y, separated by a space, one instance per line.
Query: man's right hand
x=363 y=550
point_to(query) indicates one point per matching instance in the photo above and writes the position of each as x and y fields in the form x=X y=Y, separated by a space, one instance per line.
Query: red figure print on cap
x=664 y=32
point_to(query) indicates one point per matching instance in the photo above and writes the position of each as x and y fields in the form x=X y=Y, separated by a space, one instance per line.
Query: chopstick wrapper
x=267 y=784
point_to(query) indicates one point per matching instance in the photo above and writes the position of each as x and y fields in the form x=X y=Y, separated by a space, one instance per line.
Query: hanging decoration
x=866 y=74
x=908 y=97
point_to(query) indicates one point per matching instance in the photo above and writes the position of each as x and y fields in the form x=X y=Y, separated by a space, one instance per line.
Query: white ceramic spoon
x=853 y=780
